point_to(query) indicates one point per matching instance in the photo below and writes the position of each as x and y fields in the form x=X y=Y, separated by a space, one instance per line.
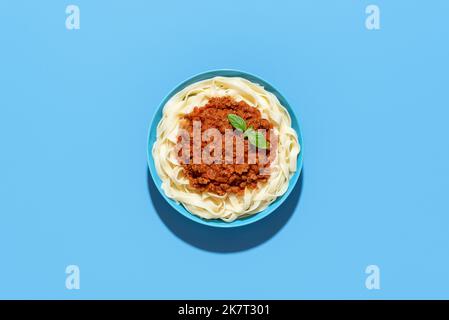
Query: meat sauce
x=222 y=178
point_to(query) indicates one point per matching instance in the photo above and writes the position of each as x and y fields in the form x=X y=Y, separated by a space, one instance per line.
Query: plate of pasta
x=225 y=148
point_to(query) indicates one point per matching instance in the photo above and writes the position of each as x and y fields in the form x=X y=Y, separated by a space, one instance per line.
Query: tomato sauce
x=222 y=178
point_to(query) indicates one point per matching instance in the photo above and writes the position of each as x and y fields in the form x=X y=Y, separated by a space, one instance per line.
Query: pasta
x=227 y=207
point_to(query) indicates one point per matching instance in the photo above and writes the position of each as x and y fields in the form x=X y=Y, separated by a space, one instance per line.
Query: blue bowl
x=152 y=138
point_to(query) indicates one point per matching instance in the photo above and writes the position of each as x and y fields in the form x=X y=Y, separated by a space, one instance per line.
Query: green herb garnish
x=254 y=137
x=237 y=122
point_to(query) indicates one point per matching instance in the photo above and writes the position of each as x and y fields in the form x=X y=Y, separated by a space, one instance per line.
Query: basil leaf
x=237 y=122
x=248 y=131
x=257 y=139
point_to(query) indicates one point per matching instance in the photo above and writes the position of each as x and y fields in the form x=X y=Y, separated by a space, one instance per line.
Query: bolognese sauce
x=224 y=177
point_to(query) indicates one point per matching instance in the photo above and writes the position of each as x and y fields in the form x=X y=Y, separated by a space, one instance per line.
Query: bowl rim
x=178 y=207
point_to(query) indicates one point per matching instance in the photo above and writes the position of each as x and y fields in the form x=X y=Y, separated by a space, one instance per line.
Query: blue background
x=75 y=107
